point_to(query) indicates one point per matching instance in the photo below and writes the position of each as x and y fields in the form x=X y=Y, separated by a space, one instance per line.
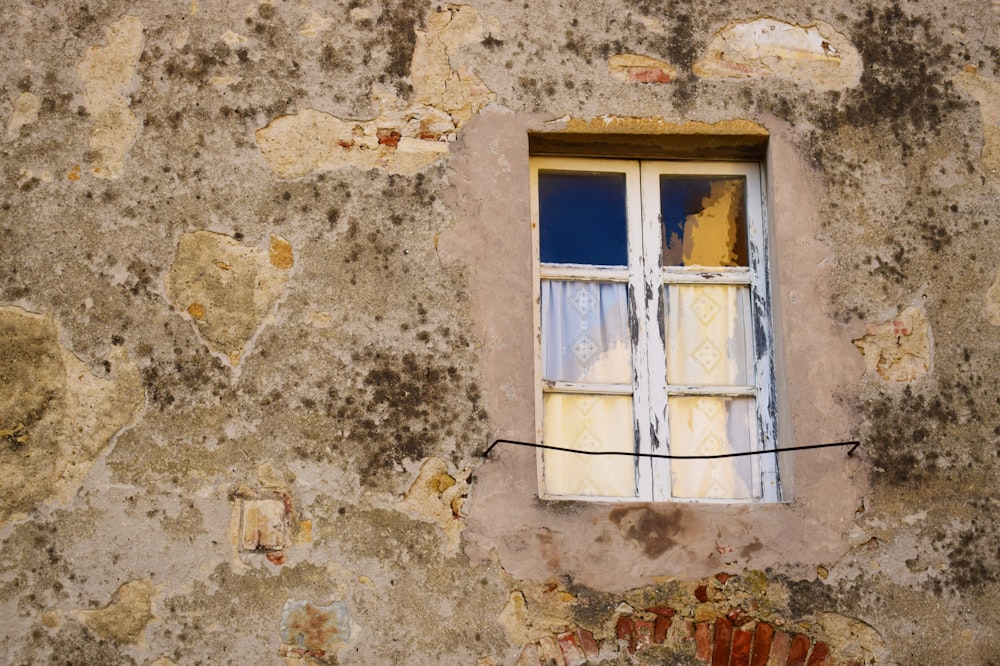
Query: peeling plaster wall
x=266 y=296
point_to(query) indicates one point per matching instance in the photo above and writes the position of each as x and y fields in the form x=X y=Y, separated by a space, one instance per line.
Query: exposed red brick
x=660 y=629
x=625 y=630
x=648 y=75
x=740 y=653
x=276 y=557
x=703 y=641
x=722 y=577
x=798 y=651
x=587 y=642
x=722 y=643
x=345 y=144
x=643 y=633
x=701 y=593
x=571 y=652
x=762 y=636
x=662 y=611
x=429 y=136
x=780 y=645
x=819 y=655
x=390 y=138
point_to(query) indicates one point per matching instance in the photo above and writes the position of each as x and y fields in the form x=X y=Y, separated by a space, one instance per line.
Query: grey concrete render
x=268 y=292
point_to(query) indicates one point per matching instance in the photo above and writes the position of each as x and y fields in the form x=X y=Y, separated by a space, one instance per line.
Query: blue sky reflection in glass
x=582 y=218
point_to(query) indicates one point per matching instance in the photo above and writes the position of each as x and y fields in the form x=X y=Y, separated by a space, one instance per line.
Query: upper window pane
x=582 y=218
x=704 y=221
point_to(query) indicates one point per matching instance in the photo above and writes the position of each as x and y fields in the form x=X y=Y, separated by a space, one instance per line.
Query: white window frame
x=644 y=275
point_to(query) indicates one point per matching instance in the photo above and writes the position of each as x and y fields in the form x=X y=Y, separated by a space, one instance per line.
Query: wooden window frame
x=646 y=277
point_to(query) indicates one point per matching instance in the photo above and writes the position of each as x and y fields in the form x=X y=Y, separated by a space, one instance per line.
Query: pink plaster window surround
x=653 y=329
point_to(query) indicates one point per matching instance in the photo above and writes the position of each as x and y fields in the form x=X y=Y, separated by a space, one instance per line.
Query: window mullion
x=639 y=313
x=655 y=386
x=762 y=336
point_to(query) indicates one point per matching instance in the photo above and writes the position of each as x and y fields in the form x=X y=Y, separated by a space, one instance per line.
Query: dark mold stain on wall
x=655 y=531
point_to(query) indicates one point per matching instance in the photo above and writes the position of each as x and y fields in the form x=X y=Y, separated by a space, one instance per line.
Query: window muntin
x=676 y=343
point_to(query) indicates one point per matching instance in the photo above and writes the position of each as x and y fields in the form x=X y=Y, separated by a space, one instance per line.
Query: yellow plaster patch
x=437 y=496
x=74 y=173
x=899 y=350
x=25 y=112
x=232 y=286
x=814 y=55
x=280 y=253
x=404 y=137
x=56 y=415
x=107 y=74
x=125 y=617
x=854 y=640
x=657 y=125
x=986 y=92
x=196 y=310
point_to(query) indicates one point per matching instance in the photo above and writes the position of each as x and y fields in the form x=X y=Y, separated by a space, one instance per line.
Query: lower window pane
x=706 y=335
x=589 y=423
x=710 y=425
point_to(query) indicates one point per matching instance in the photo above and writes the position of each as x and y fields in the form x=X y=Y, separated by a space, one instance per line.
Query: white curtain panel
x=589 y=423
x=585 y=339
x=706 y=345
x=585 y=334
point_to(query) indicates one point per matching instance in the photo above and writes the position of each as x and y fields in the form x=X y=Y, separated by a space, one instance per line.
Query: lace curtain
x=585 y=338
x=706 y=345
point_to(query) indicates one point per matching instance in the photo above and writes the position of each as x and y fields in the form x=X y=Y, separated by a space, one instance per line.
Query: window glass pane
x=704 y=220
x=589 y=423
x=582 y=218
x=706 y=335
x=709 y=425
x=585 y=335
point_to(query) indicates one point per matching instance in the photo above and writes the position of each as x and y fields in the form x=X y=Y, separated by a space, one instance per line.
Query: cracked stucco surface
x=405 y=137
x=815 y=55
x=107 y=73
x=56 y=413
x=280 y=252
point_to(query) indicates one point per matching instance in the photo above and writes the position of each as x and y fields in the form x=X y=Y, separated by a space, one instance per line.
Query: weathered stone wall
x=266 y=296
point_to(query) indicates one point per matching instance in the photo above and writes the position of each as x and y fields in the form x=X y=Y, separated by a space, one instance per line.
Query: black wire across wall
x=853 y=444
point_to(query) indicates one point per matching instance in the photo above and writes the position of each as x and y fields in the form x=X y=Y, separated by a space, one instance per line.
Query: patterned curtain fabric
x=706 y=345
x=585 y=334
x=589 y=422
x=585 y=338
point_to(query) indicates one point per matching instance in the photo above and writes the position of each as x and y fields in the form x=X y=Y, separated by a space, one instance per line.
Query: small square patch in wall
x=262 y=525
